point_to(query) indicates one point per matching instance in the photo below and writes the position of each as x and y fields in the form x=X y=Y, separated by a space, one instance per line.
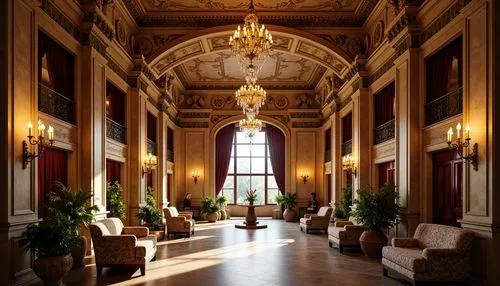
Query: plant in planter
x=210 y=207
x=289 y=200
x=114 y=201
x=51 y=241
x=375 y=211
x=222 y=201
x=150 y=214
x=339 y=214
x=251 y=196
x=347 y=200
x=77 y=207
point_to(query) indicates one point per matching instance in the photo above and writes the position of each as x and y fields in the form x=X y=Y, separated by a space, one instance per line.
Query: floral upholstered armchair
x=116 y=245
x=176 y=222
x=436 y=253
x=317 y=221
x=344 y=233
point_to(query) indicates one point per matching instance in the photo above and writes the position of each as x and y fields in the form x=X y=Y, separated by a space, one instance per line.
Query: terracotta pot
x=228 y=213
x=78 y=252
x=372 y=243
x=289 y=215
x=53 y=269
x=223 y=215
x=212 y=217
x=203 y=216
x=218 y=215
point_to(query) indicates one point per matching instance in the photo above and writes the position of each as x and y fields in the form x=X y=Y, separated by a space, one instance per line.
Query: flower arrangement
x=251 y=196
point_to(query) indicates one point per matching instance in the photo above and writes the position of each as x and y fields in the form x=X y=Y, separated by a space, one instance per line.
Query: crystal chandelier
x=250 y=127
x=250 y=97
x=251 y=44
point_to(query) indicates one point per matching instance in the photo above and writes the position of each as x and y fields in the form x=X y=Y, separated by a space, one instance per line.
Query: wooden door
x=446 y=188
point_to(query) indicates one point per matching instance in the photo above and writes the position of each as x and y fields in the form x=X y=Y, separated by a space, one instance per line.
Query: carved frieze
x=175 y=56
x=320 y=54
x=301 y=124
x=217 y=118
x=101 y=23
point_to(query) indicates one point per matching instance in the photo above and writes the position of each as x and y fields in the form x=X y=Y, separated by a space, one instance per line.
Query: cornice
x=95 y=18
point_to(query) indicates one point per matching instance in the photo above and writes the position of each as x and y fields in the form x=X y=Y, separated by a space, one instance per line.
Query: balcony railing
x=170 y=155
x=384 y=132
x=55 y=104
x=328 y=155
x=151 y=146
x=443 y=107
x=115 y=131
x=347 y=147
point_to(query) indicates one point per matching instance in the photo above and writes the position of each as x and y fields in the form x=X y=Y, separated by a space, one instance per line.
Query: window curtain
x=438 y=70
x=276 y=140
x=113 y=171
x=117 y=103
x=151 y=127
x=347 y=127
x=384 y=105
x=223 y=147
x=52 y=168
x=60 y=65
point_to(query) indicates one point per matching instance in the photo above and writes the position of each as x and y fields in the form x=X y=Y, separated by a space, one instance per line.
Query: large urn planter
x=78 y=252
x=53 y=269
x=223 y=214
x=212 y=217
x=372 y=242
x=289 y=215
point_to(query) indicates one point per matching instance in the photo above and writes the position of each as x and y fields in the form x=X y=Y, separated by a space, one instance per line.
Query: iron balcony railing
x=151 y=147
x=170 y=156
x=384 y=132
x=55 y=104
x=328 y=155
x=115 y=131
x=443 y=107
x=347 y=147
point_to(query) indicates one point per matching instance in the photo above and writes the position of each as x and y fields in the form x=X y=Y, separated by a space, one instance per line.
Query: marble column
x=361 y=138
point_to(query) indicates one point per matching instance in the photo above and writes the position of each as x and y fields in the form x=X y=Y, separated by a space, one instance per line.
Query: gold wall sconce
x=304 y=175
x=460 y=145
x=150 y=164
x=38 y=140
x=349 y=165
x=196 y=176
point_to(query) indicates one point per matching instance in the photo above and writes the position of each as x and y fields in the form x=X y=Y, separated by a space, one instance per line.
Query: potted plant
x=375 y=211
x=77 y=207
x=251 y=196
x=344 y=211
x=289 y=200
x=339 y=214
x=210 y=207
x=222 y=201
x=51 y=241
x=114 y=201
x=150 y=214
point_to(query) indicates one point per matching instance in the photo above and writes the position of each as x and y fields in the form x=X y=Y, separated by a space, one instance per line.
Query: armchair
x=317 y=221
x=176 y=222
x=436 y=253
x=116 y=245
x=344 y=233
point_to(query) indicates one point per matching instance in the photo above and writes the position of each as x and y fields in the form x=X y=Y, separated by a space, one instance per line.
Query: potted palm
x=51 y=241
x=344 y=211
x=150 y=214
x=114 y=201
x=210 y=207
x=289 y=200
x=222 y=201
x=375 y=211
x=78 y=208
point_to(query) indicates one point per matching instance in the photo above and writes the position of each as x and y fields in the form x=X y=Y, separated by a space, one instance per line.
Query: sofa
x=178 y=223
x=116 y=245
x=319 y=221
x=436 y=253
x=344 y=233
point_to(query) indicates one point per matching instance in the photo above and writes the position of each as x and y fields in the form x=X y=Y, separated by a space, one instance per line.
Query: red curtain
x=149 y=180
x=116 y=100
x=52 y=167
x=384 y=105
x=276 y=140
x=438 y=70
x=151 y=127
x=347 y=127
x=60 y=65
x=113 y=171
x=223 y=147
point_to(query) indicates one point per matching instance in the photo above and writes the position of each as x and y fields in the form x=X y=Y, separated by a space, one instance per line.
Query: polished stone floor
x=220 y=254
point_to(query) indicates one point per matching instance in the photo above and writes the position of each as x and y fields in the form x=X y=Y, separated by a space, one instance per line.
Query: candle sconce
x=150 y=164
x=196 y=176
x=38 y=141
x=304 y=175
x=460 y=145
x=349 y=165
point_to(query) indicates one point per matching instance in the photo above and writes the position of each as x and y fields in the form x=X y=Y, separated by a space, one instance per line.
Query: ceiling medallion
x=250 y=126
x=250 y=97
x=251 y=44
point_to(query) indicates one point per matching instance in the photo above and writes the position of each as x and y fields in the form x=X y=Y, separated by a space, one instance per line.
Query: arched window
x=250 y=167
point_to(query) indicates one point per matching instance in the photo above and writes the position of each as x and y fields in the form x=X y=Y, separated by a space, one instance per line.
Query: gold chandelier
x=250 y=97
x=250 y=126
x=251 y=44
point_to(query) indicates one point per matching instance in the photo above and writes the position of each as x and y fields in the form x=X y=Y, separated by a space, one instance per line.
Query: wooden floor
x=220 y=254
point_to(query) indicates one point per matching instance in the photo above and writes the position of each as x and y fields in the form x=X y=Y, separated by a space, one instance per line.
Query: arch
x=211 y=40
x=233 y=119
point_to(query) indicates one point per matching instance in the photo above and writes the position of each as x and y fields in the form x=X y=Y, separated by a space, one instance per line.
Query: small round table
x=250 y=219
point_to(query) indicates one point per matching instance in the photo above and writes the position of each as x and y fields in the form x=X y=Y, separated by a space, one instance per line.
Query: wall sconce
x=196 y=176
x=38 y=141
x=150 y=164
x=460 y=145
x=304 y=175
x=349 y=165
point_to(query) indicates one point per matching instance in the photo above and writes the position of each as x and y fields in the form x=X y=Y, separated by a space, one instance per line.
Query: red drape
x=224 y=144
x=116 y=98
x=276 y=140
x=149 y=180
x=151 y=127
x=438 y=70
x=52 y=167
x=113 y=171
x=60 y=65
x=384 y=105
x=347 y=127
